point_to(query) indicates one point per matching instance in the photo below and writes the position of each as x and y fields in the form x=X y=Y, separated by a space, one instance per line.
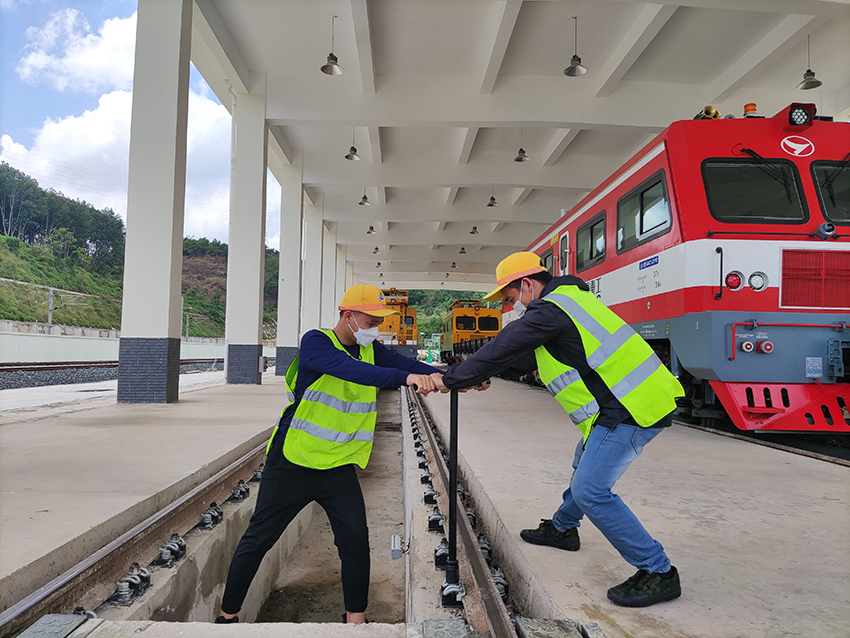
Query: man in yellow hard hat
x=615 y=390
x=325 y=430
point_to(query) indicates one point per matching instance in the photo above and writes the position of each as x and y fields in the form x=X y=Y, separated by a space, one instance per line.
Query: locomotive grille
x=815 y=279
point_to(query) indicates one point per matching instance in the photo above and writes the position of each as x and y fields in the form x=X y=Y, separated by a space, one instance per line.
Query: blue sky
x=66 y=72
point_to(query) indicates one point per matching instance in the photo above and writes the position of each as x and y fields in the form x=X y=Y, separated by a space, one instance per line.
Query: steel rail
x=33 y=366
x=57 y=594
x=493 y=605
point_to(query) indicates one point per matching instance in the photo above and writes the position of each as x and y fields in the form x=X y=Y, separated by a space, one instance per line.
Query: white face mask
x=364 y=336
x=519 y=307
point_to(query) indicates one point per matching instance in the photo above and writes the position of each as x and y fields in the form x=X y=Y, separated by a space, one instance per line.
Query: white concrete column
x=289 y=284
x=149 y=350
x=311 y=281
x=349 y=275
x=246 y=239
x=340 y=276
x=329 y=310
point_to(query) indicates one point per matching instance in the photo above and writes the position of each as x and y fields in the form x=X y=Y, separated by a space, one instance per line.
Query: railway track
x=34 y=366
x=92 y=581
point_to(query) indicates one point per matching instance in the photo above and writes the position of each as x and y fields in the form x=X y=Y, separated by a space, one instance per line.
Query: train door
x=563 y=254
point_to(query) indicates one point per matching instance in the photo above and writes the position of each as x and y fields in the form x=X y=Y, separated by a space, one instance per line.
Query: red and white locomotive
x=726 y=244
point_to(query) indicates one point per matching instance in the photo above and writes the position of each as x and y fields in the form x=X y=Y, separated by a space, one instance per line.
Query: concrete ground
x=760 y=536
x=76 y=474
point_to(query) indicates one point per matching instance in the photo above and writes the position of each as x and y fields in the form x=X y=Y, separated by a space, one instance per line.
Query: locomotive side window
x=833 y=180
x=546 y=260
x=642 y=214
x=408 y=321
x=488 y=323
x=465 y=323
x=754 y=191
x=590 y=243
x=565 y=251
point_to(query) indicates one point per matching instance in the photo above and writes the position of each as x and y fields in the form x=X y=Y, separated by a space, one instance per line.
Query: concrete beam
x=363 y=41
x=508 y=12
x=558 y=144
x=466 y=147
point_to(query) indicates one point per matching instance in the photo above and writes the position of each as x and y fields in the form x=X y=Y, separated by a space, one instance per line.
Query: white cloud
x=87 y=157
x=65 y=54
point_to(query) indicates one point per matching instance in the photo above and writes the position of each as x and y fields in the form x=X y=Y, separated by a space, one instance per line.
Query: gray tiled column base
x=243 y=362
x=284 y=355
x=148 y=370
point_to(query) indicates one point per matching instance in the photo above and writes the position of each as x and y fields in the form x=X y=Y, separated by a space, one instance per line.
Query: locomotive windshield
x=488 y=323
x=754 y=190
x=465 y=323
x=833 y=180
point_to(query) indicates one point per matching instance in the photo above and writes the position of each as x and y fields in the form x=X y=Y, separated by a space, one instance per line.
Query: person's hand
x=423 y=382
x=482 y=386
x=437 y=378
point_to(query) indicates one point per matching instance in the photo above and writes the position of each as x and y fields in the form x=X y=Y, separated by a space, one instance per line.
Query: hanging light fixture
x=332 y=67
x=352 y=152
x=454 y=265
x=371 y=230
x=809 y=79
x=462 y=251
x=492 y=201
x=576 y=67
x=377 y=251
x=521 y=156
x=474 y=230
x=364 y=201
x=378 y=265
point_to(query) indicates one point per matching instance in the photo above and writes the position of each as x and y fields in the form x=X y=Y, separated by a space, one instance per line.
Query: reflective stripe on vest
x=334 y=422
x=624 y=361
x=331 y=435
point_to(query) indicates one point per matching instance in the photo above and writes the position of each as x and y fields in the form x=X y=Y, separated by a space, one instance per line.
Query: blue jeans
x=596 y=467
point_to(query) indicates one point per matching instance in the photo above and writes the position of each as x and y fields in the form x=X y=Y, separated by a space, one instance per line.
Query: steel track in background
x=91 y=581
x=34 y=366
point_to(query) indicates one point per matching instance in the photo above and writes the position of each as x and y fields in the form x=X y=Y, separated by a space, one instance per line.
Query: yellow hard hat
x=367 y=299
x=511 y=268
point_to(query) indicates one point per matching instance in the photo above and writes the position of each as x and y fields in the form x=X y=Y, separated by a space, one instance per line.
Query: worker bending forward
x=325 y=431
x=616 y=391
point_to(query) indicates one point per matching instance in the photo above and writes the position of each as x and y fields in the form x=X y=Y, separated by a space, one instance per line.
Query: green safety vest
x=624 y=361
x=334 y=423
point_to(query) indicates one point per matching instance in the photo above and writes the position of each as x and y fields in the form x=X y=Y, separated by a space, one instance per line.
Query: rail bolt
x=430 y=496
x=765 y=347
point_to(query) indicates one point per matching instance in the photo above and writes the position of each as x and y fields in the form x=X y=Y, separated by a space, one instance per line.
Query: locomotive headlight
x=757 y=281
x=798 y=116
x=734 y=280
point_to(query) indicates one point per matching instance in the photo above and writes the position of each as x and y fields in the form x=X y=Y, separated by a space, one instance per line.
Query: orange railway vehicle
x=400 y=332
x=468 y=326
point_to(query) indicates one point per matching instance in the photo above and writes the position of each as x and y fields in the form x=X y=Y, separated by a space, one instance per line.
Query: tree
x=61 y=242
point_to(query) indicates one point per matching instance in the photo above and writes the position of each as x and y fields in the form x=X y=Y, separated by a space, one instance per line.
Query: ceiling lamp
x=378 y=265
x=352 y=152
x=474 y=230
x=809 y=79
x=454 y=265
x=462 y=251
x=371 y=230
x=377 y=251
x=364 y=201
x=576 y=67
x=492 y=201
x=521 y=156
x=332 y=67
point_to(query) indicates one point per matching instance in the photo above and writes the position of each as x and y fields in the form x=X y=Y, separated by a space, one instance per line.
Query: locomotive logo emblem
x=381 y=297
x=797 y=146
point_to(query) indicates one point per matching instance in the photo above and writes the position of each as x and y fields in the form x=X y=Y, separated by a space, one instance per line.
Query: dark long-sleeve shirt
x=543 y=324
x=318 y=355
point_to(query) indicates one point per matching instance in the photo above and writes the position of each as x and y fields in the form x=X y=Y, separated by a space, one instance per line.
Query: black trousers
x=285 y=490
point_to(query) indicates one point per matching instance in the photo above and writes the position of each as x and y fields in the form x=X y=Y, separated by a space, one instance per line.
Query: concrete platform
x=76 y=474
x=760 y=536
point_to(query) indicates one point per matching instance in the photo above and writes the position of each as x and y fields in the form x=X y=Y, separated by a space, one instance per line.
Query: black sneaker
x=547 y=534
x=645 y=589
x=221 y=620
